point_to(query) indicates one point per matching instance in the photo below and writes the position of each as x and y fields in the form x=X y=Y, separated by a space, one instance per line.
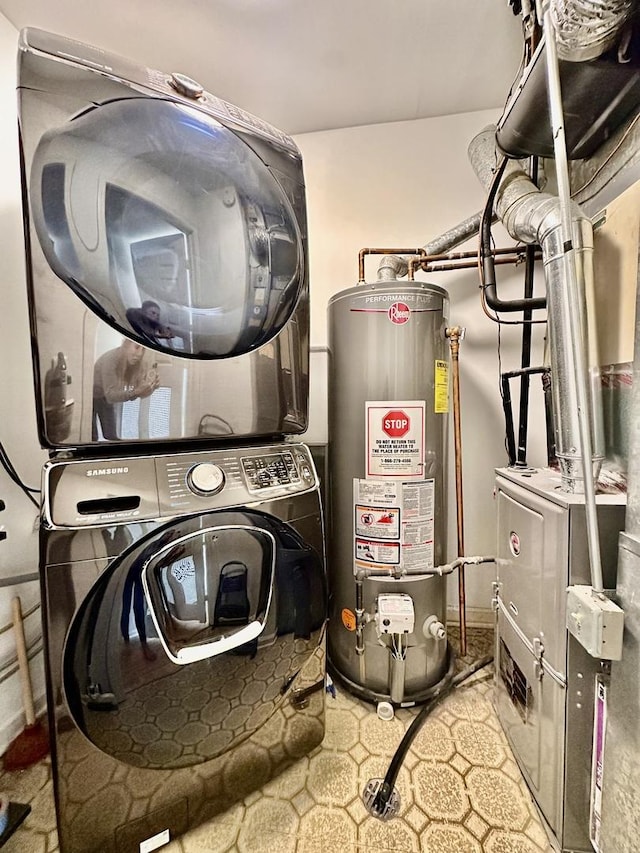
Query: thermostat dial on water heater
x=205 y=479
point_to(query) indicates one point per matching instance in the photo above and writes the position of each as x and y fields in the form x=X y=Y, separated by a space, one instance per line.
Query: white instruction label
x=393 y=525
x=597 y=763
x=377 y=521
x=395 y=439
x=378 y=553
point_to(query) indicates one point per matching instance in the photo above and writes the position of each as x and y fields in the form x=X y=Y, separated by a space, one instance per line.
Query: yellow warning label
x=349 y=619
x=441 y=395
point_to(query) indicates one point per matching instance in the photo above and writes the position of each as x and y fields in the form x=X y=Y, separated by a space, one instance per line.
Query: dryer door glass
x=203 y=604
x=194 y=637
x=168 y=226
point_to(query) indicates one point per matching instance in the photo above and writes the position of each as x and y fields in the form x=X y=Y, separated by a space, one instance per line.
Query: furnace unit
x=545 y=679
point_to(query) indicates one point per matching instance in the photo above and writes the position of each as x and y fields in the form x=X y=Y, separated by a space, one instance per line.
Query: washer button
x=205 y=478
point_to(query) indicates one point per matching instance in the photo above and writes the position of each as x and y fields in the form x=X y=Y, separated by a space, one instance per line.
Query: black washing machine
x=184 y=608
x=183 y=590
x=166 y=254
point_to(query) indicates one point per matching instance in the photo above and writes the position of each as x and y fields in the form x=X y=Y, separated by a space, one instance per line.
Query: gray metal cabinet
x=545 y=680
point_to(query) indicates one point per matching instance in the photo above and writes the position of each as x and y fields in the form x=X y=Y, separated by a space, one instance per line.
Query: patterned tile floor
x=460 y=788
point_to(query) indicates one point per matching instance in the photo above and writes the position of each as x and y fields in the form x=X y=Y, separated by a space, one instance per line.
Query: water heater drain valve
x=395 y=614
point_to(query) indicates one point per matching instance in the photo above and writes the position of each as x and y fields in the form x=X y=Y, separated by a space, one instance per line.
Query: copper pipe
x=459 y=256
x=459 y=265
x=455 y=335
x=513 y=259
x=364 y=252
x=464 y=260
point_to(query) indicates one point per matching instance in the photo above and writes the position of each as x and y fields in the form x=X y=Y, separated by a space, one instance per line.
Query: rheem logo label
x=399 y=313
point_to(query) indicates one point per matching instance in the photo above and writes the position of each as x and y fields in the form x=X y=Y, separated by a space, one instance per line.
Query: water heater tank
x=388 y=405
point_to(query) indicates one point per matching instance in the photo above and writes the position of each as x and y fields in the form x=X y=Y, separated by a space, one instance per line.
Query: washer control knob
x=205 y=479
x=186 y=86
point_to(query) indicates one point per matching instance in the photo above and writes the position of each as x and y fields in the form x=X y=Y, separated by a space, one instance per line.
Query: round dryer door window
x=168 y=226
x=193 y=638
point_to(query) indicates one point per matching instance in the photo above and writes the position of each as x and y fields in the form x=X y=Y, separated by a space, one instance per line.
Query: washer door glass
x=193 y=638
x=168 y=226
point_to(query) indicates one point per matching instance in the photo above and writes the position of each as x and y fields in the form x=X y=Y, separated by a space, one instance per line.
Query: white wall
x=19 y=551
x=403 y=184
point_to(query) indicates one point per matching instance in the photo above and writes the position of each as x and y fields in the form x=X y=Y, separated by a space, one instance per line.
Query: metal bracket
x=495 y=599
x=538 y=651
x=536 y=647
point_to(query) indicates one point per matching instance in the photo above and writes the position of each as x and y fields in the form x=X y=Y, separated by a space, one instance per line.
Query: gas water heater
x=388 y=406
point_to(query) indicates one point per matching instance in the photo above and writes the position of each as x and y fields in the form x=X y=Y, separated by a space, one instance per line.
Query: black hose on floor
x=379 y=804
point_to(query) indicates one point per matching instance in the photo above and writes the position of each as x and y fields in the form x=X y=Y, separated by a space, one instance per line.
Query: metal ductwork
x=610 y=171
x=392 y=267
x=598 y=48
x=533 y=216
x=586 y=29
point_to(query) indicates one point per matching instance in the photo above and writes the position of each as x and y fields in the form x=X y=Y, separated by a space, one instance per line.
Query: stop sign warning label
x=395 y=423
x=395 y=439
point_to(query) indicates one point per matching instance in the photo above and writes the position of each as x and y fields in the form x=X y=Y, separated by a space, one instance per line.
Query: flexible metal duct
x=533 y=216
x=587 y=28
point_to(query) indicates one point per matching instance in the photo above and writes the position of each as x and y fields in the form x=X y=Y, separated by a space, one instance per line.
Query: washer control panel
x=89 y=493
x=230 y=477
x=269 y=471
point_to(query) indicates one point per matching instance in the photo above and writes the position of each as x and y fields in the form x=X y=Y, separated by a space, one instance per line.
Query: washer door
x=193 y=637
x=168 y=226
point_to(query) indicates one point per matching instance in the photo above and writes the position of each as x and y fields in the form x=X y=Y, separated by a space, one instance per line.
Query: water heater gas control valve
x=395 y=614
x=205 y=479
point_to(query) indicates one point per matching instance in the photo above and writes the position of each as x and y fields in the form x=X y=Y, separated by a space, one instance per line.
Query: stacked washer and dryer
x=182 y=551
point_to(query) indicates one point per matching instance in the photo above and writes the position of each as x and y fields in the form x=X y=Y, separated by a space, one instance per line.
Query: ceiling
x=308 y=65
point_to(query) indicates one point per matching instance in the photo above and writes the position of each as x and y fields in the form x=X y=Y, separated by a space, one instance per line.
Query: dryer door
x=193 y=638
x=166 y=254
x=168 y=226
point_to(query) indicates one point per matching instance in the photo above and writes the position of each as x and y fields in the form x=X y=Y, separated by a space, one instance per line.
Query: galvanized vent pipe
x=535 y=217
x=573 y=278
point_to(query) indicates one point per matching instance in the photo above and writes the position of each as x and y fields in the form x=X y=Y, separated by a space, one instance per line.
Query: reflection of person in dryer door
x=133 y=593
x=133 y=596
x=146 y=321
x=121 y=374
